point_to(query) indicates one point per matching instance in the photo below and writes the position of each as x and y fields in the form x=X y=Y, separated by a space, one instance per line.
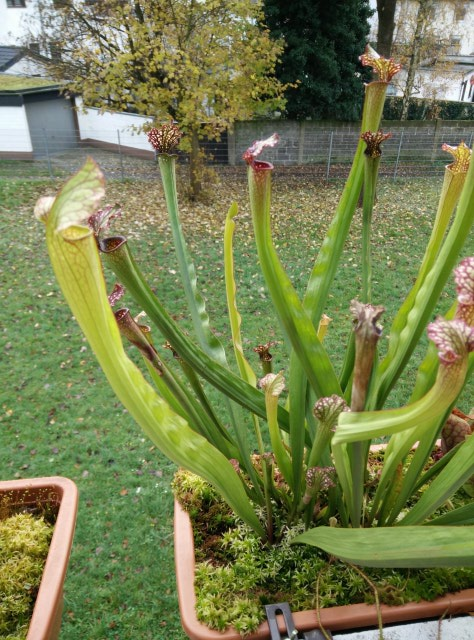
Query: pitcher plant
x=311 y=426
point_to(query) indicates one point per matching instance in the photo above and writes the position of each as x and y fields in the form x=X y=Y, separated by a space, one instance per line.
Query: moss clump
x=24 y=544
x=236 y=575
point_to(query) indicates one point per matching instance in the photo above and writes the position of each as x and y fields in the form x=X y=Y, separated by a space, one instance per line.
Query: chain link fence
x=325 y=153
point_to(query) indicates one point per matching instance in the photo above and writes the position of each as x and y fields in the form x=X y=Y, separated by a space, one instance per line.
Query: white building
x=447 y=70
x=13 y=17
x=15 y=61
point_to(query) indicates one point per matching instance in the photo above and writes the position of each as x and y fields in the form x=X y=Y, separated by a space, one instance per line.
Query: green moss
x=22 y=83
x=236 y=576
x=24 y=544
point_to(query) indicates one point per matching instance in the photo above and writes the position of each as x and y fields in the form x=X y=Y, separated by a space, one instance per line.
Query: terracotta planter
x=61 y=495
x=333 y=619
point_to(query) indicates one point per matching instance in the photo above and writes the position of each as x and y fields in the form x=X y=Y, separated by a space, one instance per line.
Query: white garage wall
x=109 y=127
x=14 y=131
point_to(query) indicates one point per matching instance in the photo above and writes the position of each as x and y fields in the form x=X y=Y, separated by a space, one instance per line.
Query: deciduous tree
x=418 y=42
x=424 y=34
x=203 y=64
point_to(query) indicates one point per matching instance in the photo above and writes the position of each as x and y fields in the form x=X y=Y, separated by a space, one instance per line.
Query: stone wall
x=307 y=142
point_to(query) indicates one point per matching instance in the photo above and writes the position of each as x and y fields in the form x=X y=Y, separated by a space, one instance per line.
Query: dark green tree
x=323 y=43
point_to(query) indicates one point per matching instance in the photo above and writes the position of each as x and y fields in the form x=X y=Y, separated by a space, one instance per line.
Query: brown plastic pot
x=59 y=495
x=347 y=617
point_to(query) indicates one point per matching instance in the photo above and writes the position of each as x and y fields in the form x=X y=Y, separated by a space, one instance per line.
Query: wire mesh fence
x=324 y=152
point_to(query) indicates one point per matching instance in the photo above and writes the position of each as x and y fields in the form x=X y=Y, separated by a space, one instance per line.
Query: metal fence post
x=230 y=147
x=122 y=179
x=438 y=136
x=328 y=168
x=301 y=132
x=398 y=153
x=48 y=159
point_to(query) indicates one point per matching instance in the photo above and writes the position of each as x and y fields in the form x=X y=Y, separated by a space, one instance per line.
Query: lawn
x=58 y=416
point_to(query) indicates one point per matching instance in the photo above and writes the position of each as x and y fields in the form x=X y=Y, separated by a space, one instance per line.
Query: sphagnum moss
x=24 y=544
x=233 y=566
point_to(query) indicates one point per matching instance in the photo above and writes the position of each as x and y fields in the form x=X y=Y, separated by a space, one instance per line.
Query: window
x=16 y=4
x=55 y=52
x=454 y=46
x=460 y=12
x=34 y=47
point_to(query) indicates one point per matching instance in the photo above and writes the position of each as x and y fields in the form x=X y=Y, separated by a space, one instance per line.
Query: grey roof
x=9 y=55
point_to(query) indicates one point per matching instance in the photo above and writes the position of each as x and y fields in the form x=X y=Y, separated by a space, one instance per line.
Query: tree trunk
x=195 y=167
x=386 y=26
x=424 y=7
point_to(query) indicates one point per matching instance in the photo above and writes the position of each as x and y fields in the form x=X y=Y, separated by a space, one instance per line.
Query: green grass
x=58 y=416
x=21 y=171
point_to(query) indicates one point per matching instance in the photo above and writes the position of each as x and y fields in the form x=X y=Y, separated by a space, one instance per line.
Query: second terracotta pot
x=60 y=496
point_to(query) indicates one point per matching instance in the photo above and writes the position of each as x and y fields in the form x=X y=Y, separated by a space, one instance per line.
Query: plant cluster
x=312 y=426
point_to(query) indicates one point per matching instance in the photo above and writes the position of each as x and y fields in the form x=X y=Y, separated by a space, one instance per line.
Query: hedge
x=422 y=109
